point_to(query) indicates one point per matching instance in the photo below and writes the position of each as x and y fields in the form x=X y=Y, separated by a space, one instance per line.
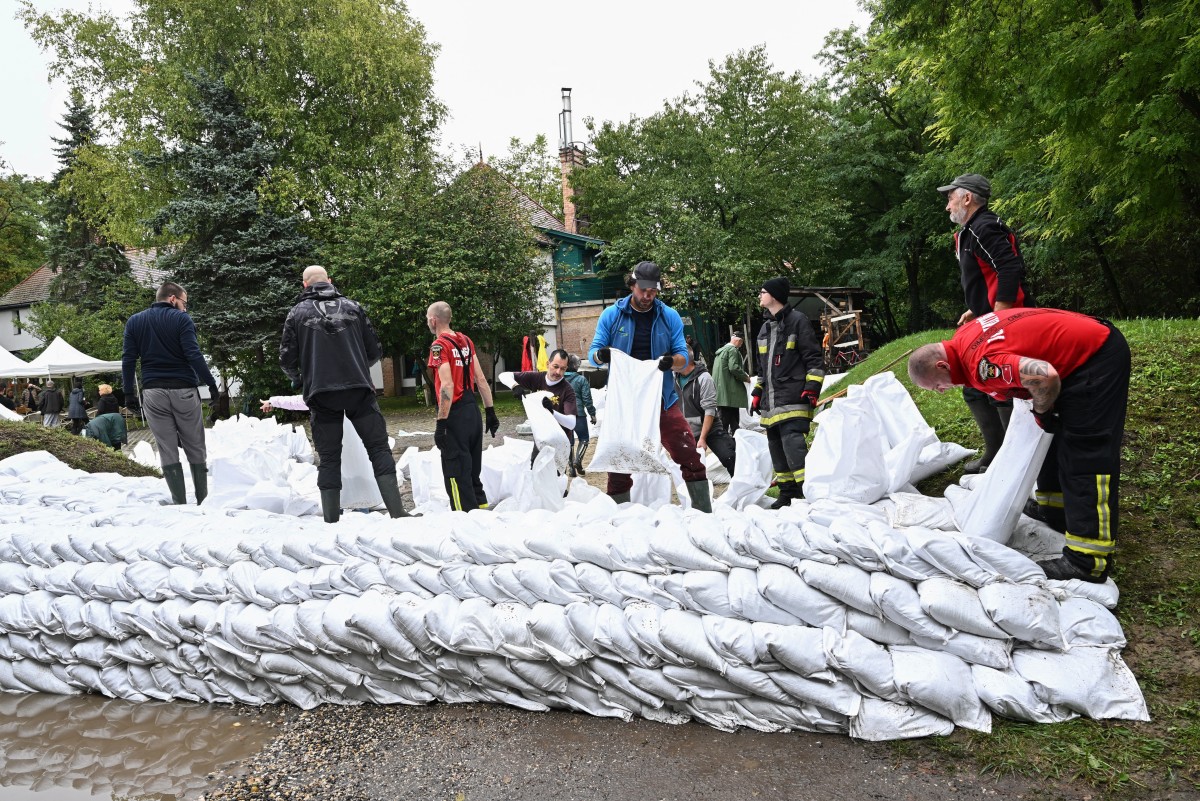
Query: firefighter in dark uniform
x=791 y=369
x=327 y=349
x=457 y=376
x=1075 y=370
x=993 y=279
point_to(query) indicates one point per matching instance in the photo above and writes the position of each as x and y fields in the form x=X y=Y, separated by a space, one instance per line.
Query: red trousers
x=677 y=438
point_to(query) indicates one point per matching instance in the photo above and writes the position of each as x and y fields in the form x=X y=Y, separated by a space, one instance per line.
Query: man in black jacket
x=791 y=368
x=163 y=338
x=327 y=350
x=993 y=279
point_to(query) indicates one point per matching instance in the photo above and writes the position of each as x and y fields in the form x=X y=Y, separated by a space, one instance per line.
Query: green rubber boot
x=701 y=497
x=331 y=504
x=173 y=473
x=200 y=481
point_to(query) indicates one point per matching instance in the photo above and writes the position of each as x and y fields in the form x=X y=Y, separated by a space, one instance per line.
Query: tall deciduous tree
x=719 y=186
x=534 y=170
x=238 y=258
x=342 y=88
x=22 y=224
x=86 y=261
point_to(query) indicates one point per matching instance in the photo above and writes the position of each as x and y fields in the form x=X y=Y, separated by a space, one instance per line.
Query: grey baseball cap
x=647 y=275
x=972 y=182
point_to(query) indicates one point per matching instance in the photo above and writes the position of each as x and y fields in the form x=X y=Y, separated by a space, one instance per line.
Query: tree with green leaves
x=22 y=226
x=238 y=258
x=342 y=88
x=466 y=242
x=719 y=187
x=84 y=258
x=534 y=170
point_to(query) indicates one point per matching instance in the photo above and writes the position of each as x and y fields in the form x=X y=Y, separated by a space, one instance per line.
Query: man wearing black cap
x=646 y=328
x=791 y=368
x=993 y=279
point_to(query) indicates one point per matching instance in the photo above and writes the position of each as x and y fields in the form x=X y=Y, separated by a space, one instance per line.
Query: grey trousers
x=176 y=421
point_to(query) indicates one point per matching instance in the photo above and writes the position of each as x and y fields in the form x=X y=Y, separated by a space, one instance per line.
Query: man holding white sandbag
x=560 y=398
x=1075 y=370
x=644 y=327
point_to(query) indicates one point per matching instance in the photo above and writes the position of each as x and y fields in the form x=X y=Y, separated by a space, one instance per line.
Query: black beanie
x=778 y=288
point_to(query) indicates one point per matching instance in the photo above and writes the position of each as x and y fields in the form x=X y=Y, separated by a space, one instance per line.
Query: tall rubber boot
x=621 y=497
x=571 y=473
x=200 y=481
x=173 y=473
x=579 y=458
x=788 y=492
x=701 y=496
x=331 y=504
x=391 y=495
x=988 y=418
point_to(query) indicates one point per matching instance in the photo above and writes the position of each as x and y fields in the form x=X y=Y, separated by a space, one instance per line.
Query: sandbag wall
x=820 y=617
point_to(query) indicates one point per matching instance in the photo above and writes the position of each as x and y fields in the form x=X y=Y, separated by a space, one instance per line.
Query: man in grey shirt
x=699 y=394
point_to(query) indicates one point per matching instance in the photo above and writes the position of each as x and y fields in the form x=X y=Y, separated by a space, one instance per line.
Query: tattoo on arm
x=1042 y=381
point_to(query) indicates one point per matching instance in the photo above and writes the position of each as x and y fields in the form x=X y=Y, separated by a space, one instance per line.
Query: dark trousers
x=1079 y=484
x=731 y=418
x=326 y=411
x=785 y=441
x=677 y=438
x=721 y=443
x=581 y=429
x=462 y=461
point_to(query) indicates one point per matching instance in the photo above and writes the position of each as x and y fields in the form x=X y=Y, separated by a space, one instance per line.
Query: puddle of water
x=71 y=748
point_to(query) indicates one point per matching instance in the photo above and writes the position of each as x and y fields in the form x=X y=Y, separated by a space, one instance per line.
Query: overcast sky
x=503 y=63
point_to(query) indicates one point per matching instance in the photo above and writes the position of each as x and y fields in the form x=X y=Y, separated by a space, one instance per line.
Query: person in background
x=561 y=401
x=699 y=394
x=993 y=279
x=583 y=411
x=77 y=406
x=163 y=339
x=729 y=374
x=29 y=396
x=791 y=369
x=108 y=428
x=458 y=433
x=50 y=404
x=107 y=402
x=327 y=349
x=6 y=397
x=1075 y=370
x=644 y=327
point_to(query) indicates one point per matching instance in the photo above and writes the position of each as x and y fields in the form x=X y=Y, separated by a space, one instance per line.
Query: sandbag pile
x=820 y=617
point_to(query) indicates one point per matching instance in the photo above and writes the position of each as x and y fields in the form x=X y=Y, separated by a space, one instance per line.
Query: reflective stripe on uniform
x=783 y=478
x=794 y=414
x=1054 y=500
x=455 y=500
x=818 y=377
x=798 y=476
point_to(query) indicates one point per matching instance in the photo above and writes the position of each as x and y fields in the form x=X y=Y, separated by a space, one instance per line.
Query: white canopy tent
x=62 y=359
x=10 y=366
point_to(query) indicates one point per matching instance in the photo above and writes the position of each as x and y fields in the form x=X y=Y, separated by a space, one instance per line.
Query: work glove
x=493 y=422
x=132 y=403
x=809 y=396
x=547 y=404
x=441 y=437
x=754 y=404
x=519 y=391
x=602 y=356
x=1049 y=421
x=593 y=419
x=666 y=363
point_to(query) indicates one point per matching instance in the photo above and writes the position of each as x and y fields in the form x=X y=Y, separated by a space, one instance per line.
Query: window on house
x=16 y=320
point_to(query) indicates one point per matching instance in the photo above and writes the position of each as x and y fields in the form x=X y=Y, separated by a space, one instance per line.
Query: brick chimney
x=570 y=155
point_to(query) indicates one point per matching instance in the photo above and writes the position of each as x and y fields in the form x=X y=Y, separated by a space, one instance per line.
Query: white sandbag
x=752 y=470
x=547 y=433
x=868 y=664
x=634 y=398
x=1025 y=611
x=1085 y=622
x=849 y=584
x=1007 y=694
x=786 y=589
x=957 y=605
x=846 y=457
x=899 y=602
x=878 y=720
x=941 y=682
x=1001 y=495
x=716 y=471
x=913 y=509
x=502 y=466
x=877 y=629
x=1100 y=684
x=1105 y=594
x=538 y=488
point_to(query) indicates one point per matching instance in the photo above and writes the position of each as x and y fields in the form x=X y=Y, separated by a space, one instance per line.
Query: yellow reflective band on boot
x=1054 y=500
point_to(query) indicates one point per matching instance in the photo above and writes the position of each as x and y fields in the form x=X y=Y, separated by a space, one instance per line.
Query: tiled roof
x=36 y=288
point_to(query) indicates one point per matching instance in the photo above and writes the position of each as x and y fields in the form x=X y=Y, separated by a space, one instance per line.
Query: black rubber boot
x=579 y=458
x=788 y=492
x=173 y=473
x=621 y=497
x=1072 y=565
x=571 y=473
x=391 y=495
x=992 y=426
x=331 y=504
x=200 y=481
x=701 y=496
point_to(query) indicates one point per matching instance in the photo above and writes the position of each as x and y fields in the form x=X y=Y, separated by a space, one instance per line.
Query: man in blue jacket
x=163 y=337
x=644 y=327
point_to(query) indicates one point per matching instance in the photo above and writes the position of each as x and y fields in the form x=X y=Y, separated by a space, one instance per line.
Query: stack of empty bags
x=831 y=615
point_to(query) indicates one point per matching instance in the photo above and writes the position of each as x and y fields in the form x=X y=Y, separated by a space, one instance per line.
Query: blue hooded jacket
x=615 y=330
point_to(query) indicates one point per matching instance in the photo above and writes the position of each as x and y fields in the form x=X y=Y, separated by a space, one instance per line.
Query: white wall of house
x=13 y=334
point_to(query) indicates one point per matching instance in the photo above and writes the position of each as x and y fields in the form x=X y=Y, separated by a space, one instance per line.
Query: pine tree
x=88 y=265
x=238 y=259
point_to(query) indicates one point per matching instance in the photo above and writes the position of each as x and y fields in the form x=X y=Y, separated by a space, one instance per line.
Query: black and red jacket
x=991 y=265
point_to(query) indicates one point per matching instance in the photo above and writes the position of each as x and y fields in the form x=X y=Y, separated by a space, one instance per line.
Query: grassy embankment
x=1157 y=569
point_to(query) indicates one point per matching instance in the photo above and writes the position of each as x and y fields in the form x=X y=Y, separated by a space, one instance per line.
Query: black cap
x=778 y=287
x=976 y=184
x=647 y=275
